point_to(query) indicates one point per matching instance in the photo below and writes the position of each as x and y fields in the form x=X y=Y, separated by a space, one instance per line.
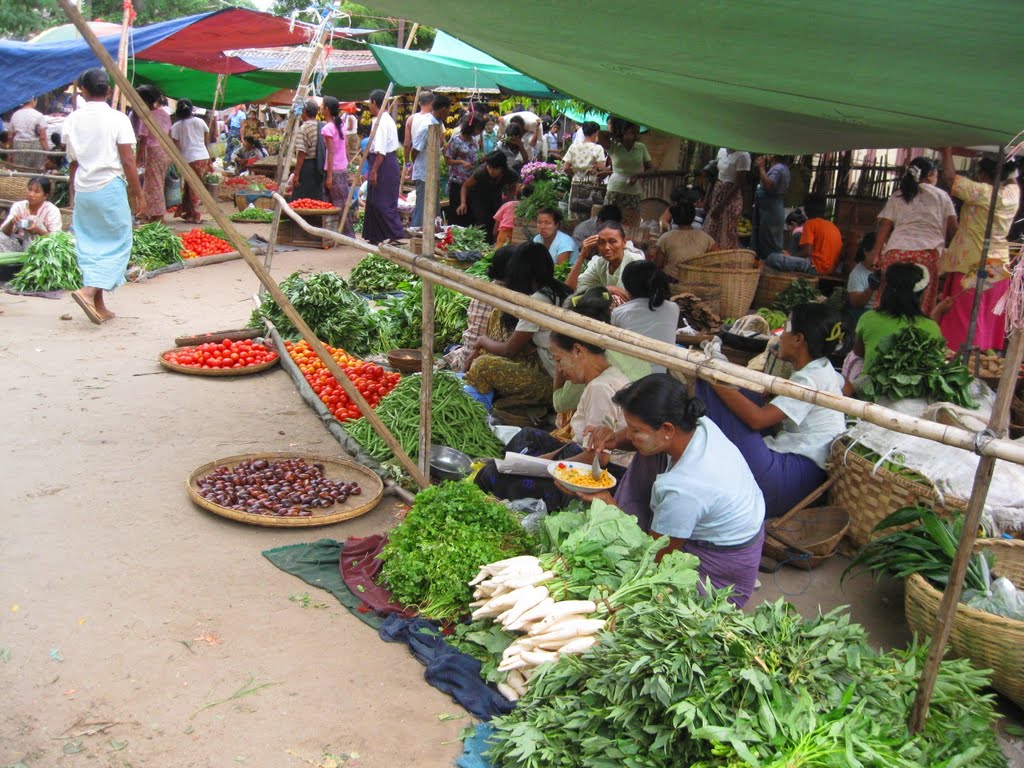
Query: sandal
x=87 y=307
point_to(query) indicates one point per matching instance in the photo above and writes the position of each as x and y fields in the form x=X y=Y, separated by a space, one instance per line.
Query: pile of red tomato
x=306 y=204
x=251 y=181
x=372 y=381
x=198 y=243
x=222 y=354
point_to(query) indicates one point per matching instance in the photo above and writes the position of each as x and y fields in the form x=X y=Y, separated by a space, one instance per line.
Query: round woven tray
x=341 y=470
x=317 y=211
x=988 y=641
x=214 y=371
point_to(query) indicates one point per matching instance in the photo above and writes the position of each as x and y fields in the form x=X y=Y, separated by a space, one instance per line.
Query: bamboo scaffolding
x=430 y=199
x=241 y=244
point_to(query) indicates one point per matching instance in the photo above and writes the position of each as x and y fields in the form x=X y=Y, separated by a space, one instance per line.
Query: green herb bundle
x=688 y=681
x=459 y=421
x=773 y=317
x=154 y=246
x=547 y=193
x=50 y=265
x=375 y=274
x=467 y=239
x=797 y=292
x=338 y=316
x=400 y=318
x=480 y=266
x=434 y=552
x=253 y=215
x=216 y=232
x=912 y=363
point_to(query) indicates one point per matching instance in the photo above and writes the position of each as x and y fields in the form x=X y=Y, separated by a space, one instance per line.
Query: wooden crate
x=291 y=233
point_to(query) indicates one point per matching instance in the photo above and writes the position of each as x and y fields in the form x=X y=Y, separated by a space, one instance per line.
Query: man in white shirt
x=413 y=123
x=105 y=190
x=441 y=107
x=382 y=222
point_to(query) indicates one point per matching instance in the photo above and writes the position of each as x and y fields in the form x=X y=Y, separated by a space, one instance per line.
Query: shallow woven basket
x=773 y=283
x=736 y=273
x=214 y=371
x=869 y=496
x=335 y=469
x=809 y=537
x=13 y=188
x=986 y=640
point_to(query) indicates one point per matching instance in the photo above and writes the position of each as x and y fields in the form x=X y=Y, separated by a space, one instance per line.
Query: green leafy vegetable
x=154 y=246
x=797 y=292
x=50 y=265
x=375 y=274
x=480 y=266
x=547 y=193
x=465 y=239
x=434 y=552
x=253 y=214
x=773 y=317
x=400 y=318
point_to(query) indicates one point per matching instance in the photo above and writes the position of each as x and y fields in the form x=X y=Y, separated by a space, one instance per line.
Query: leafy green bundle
x=480 y=266
x=252 y=215
x=50 y=265
x=434 y=552
x=466 y=239
x=375 y=274
x=338 y=316
x=547 y=193
x=911 y=363
x=797 y=292
x=154 y=246
x=686 y=681
x=400 y=318
x=458 y=421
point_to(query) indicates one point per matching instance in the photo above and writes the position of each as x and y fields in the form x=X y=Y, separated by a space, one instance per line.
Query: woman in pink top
x=152 y=157
x=336 y=165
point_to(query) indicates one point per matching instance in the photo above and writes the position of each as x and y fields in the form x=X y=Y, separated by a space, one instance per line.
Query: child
x=504 y=223
x=860 y=288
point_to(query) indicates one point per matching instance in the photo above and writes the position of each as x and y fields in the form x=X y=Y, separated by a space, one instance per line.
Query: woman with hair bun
x=915 y=225
x=648 y=310
x=192 y=135
x=687 y=482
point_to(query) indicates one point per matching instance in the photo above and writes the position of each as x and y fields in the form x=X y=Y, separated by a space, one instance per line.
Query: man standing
x=307 y=181
x=234 y=131
x=382 y=222
x=425 y=103
x=105 y=190
x=441 y=107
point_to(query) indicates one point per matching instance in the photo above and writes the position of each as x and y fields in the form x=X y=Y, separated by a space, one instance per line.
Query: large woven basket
x=869 y=496
x=987 y=640
x=773 y=283
x=735 y=272
x=13 y=188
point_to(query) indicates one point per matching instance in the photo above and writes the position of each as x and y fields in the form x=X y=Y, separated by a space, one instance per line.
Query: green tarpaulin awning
x=782 y=76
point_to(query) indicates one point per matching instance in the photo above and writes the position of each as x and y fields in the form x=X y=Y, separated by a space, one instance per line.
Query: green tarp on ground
x=781 y=76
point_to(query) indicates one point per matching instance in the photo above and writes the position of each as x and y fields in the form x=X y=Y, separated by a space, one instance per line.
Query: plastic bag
x=531 y=512
x=1001 y=598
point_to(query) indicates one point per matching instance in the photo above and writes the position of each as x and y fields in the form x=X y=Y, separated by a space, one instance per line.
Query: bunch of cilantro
x=450 y=531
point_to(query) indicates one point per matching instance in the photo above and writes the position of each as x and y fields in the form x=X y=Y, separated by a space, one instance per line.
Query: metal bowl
x=449 y=464
x=406 y=360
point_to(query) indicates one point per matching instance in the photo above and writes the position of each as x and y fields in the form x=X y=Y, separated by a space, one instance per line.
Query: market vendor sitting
x=611 y=245
x=687 y=481
x=30 y=218
x=821 y=243
x=560 y=245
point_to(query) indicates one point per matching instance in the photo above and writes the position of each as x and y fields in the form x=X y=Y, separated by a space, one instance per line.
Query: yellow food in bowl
x=584 y=479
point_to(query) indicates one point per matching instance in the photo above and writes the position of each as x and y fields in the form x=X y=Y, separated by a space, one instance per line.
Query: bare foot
x=106 y=314
x=101 y=307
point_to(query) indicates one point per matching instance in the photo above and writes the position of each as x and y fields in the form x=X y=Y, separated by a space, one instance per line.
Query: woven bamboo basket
x=736 y=272
x=773 y=283
x=13 y=188
x=340 y=470
x=987 y=640
x=808 y=538
x=249 y=369
x=988 y=366
x=869 y=496
x=522 y=232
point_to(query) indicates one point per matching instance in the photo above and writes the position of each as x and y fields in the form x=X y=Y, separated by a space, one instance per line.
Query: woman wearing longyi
x=687 y=482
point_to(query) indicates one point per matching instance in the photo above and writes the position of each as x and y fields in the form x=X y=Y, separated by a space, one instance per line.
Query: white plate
x=553 y=467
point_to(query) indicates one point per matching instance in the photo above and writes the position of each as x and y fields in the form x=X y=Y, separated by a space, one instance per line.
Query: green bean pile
x=459 y=421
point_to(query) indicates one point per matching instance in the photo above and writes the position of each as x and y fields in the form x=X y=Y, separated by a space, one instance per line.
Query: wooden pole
x=241 y=244
x=997 y=425
x=430 y=198
x=692 y=363
x=122 y=55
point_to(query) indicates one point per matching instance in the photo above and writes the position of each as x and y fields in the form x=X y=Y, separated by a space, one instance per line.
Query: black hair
x=815 y=206
x=659 y=399
x=909 y=186
x=643 y=280
x=4 y=136
x=988 y=166
x=333 y=107
x=377 y=96
x=683 y=213
x=151 y=95
x=496 y=160
x=567 y=342
x=595 y=303
x=796 y=217
x=43 y=183
x=899 y=298
x=609 y=212
x=471 y=123
x=529 y=270
x=183 y=110
x=499 y=263
x=441 y=101
x=866 y=244
x=513 y=131
x=94 y=82
x=554 y=213
x=426 y=97
x=517 y=120
x=55 y=139
x=821 y=326
x=590 y=128
x=615 y=225
x=310 y=108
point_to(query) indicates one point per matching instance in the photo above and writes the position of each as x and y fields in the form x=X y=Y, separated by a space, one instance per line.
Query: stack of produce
x=911 y=363
x=338 y=316
x=154 y=246
x=222 y=354
x=458 y=240
x=308 y=204
x=199 y=243
x=432 y=554
x=458 y=421
x=480 y=266
x=797 y=292
x=375 y=274
x=400 y=318
x=372 y=381
x=251 y=183
x=50 y=265
x=775 y=318
x=546 y=188
x=253 y=215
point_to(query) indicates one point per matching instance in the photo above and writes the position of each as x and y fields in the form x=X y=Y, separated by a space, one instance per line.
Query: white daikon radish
x=567 y=632
x=539 y=611
x=501 y=603
x=508 y=692
x=529 y=601
x=569 y=608
x=579 y=644
x=514 y=662
x=536 y=658
x=509 y=562
x=530 y=579
x=552 y=623
x=516 y=682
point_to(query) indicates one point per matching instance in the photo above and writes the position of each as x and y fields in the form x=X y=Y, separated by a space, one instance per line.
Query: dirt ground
x=138 y=630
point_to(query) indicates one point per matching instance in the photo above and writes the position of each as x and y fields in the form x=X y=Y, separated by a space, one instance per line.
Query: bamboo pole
x=430 y=198
x=997 y=425
x=122 y=55
x=692 y=363
x=241 y=244
x=25 y=175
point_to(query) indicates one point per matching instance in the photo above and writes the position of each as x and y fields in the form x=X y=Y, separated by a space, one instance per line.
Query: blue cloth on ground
x=103 y=234
x=447 y=669
x=486 y=400
x=474 y=747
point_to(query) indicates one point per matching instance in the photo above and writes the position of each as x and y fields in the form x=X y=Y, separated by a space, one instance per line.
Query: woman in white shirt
x=722 y=216
x=27 y=127
x=648 y=310
x=914 y=226
x=560 y=245
x=191 y=134
x=612 y=247
x=791 y=464
x=30 y=218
